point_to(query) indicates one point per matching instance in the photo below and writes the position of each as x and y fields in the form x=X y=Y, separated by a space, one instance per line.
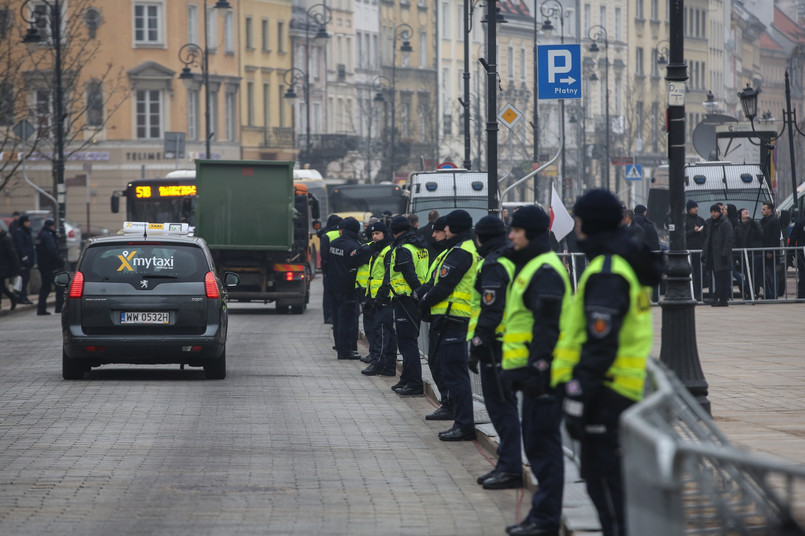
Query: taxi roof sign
x=142 y=227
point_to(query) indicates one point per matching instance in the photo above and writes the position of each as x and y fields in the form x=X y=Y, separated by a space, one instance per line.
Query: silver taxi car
x=149 y=296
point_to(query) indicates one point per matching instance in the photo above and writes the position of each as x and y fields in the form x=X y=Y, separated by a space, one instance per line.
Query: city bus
x=374 y=198
x=168 y=199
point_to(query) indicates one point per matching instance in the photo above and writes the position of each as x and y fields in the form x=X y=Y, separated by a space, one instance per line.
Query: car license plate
x=144 y=317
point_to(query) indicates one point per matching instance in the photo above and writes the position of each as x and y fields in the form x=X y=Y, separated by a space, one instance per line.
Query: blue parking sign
x=559 y=72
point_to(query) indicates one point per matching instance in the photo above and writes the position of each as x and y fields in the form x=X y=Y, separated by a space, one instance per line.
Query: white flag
x=561 y=220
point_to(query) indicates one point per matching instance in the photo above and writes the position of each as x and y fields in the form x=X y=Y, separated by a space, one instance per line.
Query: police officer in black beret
x=342 y=266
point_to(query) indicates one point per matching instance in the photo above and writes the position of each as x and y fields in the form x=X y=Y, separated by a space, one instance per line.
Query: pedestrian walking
x=599 y=362
x=382 y=338
x=24 y=244
x=408 y=271
x=49 y=261
x=450 y=303
x=538 y=295
x=694 y=236
x=717 y=255
x=486 y=353
x=342 y=265
x=749 y=235
x=9 y=264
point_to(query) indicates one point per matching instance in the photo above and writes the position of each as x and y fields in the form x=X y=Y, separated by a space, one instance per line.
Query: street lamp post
x=380 y=84
x=404 y=32
x=749 y=104
x=292 y=78
x=551 y=9
x=535 y=123
x=596 y=34
x=193 y=54
x=678 y=349
x=465 y=102
x=39 y=18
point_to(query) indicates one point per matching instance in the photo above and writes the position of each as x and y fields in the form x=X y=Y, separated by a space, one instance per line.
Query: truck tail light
x=288 y=276
x=211 y=286
x=77 y=286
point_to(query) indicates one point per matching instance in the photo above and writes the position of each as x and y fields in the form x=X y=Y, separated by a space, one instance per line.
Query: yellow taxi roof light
x=140 y=227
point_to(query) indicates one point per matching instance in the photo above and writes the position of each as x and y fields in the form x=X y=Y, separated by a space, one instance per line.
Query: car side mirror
x=115 y=201
x=61 y=279
x=231 y=279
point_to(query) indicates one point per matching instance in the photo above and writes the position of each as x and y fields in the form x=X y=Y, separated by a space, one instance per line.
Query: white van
x=743 y=185
x=446 y=190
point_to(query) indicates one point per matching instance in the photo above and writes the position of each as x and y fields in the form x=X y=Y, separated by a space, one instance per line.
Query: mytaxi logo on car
x=124 y=261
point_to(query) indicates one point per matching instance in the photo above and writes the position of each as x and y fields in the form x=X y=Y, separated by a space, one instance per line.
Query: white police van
x=743 y=185
x=445 y=190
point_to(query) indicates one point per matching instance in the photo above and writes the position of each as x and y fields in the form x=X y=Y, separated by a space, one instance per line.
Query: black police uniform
x=49 y=261
x=448 y=335
x=324 y=250
x=406 y=313
x=384 y=324
x=485 y=358
x=342 y=264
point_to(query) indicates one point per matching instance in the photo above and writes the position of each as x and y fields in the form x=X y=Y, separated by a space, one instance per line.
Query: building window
x=281 y=36
x=522 y=65
x=655 y=10
x=230 y=115
x=654 y=60
x=655 y=127
x=638 y=12
x=43 y=108
x=214 y=115
x=423 y=50
x=192 y=23
x=5 y=22
x=94 y=103
x=266 y=106
x=283 y=104
x=447 y=124
x=147 y=23
x=264 y=37
x=6 y=103
x=212 y=29
x=192 y=114
x=618 y=25
x=149 y=114
x=602 y=16
x=250 y=103
x=510 y=63
x=446 y=25
x=229 y=32
x=639 y=61
x=404 y=109
x=249 y=29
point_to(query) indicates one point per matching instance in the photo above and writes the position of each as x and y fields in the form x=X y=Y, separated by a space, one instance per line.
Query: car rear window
x=124 y=262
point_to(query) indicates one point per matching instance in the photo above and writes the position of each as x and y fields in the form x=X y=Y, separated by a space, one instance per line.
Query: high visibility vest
x=377 y=271
x=518 y=320
x=462 y=296
x=332 y=235
x=362 y=275
x=508 y=265
x=398 y=283
x=627 y=374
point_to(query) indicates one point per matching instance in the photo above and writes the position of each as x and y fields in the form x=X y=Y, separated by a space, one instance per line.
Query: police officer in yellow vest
x=408 y=270
x=378 y=319
x=450 y=299
x=493 y=278
x=539 y=291
x=327 y=234
x=600 y=359
x=365 y=252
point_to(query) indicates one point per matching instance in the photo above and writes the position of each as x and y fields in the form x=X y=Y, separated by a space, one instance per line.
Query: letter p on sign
x=559 y=62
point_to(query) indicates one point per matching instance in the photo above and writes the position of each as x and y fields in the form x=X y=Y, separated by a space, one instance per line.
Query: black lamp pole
x=192 y=54
x=34 y=17
x=679 y=350
x=404 y=31
x=535 y=123
x=491 y=111
x=549 y=10
x=466 y=102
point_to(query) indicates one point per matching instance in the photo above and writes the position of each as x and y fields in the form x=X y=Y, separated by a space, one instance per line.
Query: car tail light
x=77 y=286
x=211 y=286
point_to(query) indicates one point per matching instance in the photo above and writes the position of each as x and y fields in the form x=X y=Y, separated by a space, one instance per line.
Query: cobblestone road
x=292 y=442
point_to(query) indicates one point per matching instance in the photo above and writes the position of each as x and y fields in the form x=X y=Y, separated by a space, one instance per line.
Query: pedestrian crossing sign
x=634 y=172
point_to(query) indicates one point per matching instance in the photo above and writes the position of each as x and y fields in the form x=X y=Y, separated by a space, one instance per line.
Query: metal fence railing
x=682 y=475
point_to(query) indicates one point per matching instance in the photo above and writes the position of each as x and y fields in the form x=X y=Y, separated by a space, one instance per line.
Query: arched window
x=94 y=103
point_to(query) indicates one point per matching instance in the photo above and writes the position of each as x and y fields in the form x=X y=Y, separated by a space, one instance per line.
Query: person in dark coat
x=798 y=240
x=326 y=234
x=770 y=225
x=342 y=266
x=24 y=243
x=9 y=265
x=426 y=232
x=694 y=235
x=49 y=261
x=717 y=254
x=649 y=230
x=748 y=234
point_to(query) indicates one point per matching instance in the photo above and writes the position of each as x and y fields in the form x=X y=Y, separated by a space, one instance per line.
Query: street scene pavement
x=295 y=442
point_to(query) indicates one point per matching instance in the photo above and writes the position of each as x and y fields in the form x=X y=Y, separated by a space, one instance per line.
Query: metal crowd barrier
x=682 y=475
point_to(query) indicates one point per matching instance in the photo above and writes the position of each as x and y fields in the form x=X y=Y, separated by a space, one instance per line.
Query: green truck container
x=248 y=214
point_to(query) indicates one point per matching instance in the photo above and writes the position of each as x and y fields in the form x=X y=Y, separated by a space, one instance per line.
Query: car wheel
x=215 y=369
x=71 y=369
x=298 y=308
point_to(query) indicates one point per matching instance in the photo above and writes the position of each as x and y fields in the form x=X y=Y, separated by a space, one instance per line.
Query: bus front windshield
x=165 y=209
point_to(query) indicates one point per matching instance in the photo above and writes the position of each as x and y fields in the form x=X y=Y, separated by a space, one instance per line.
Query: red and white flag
x=561 y=220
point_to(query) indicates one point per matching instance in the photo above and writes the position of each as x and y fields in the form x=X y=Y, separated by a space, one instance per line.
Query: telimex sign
x=559 y=71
